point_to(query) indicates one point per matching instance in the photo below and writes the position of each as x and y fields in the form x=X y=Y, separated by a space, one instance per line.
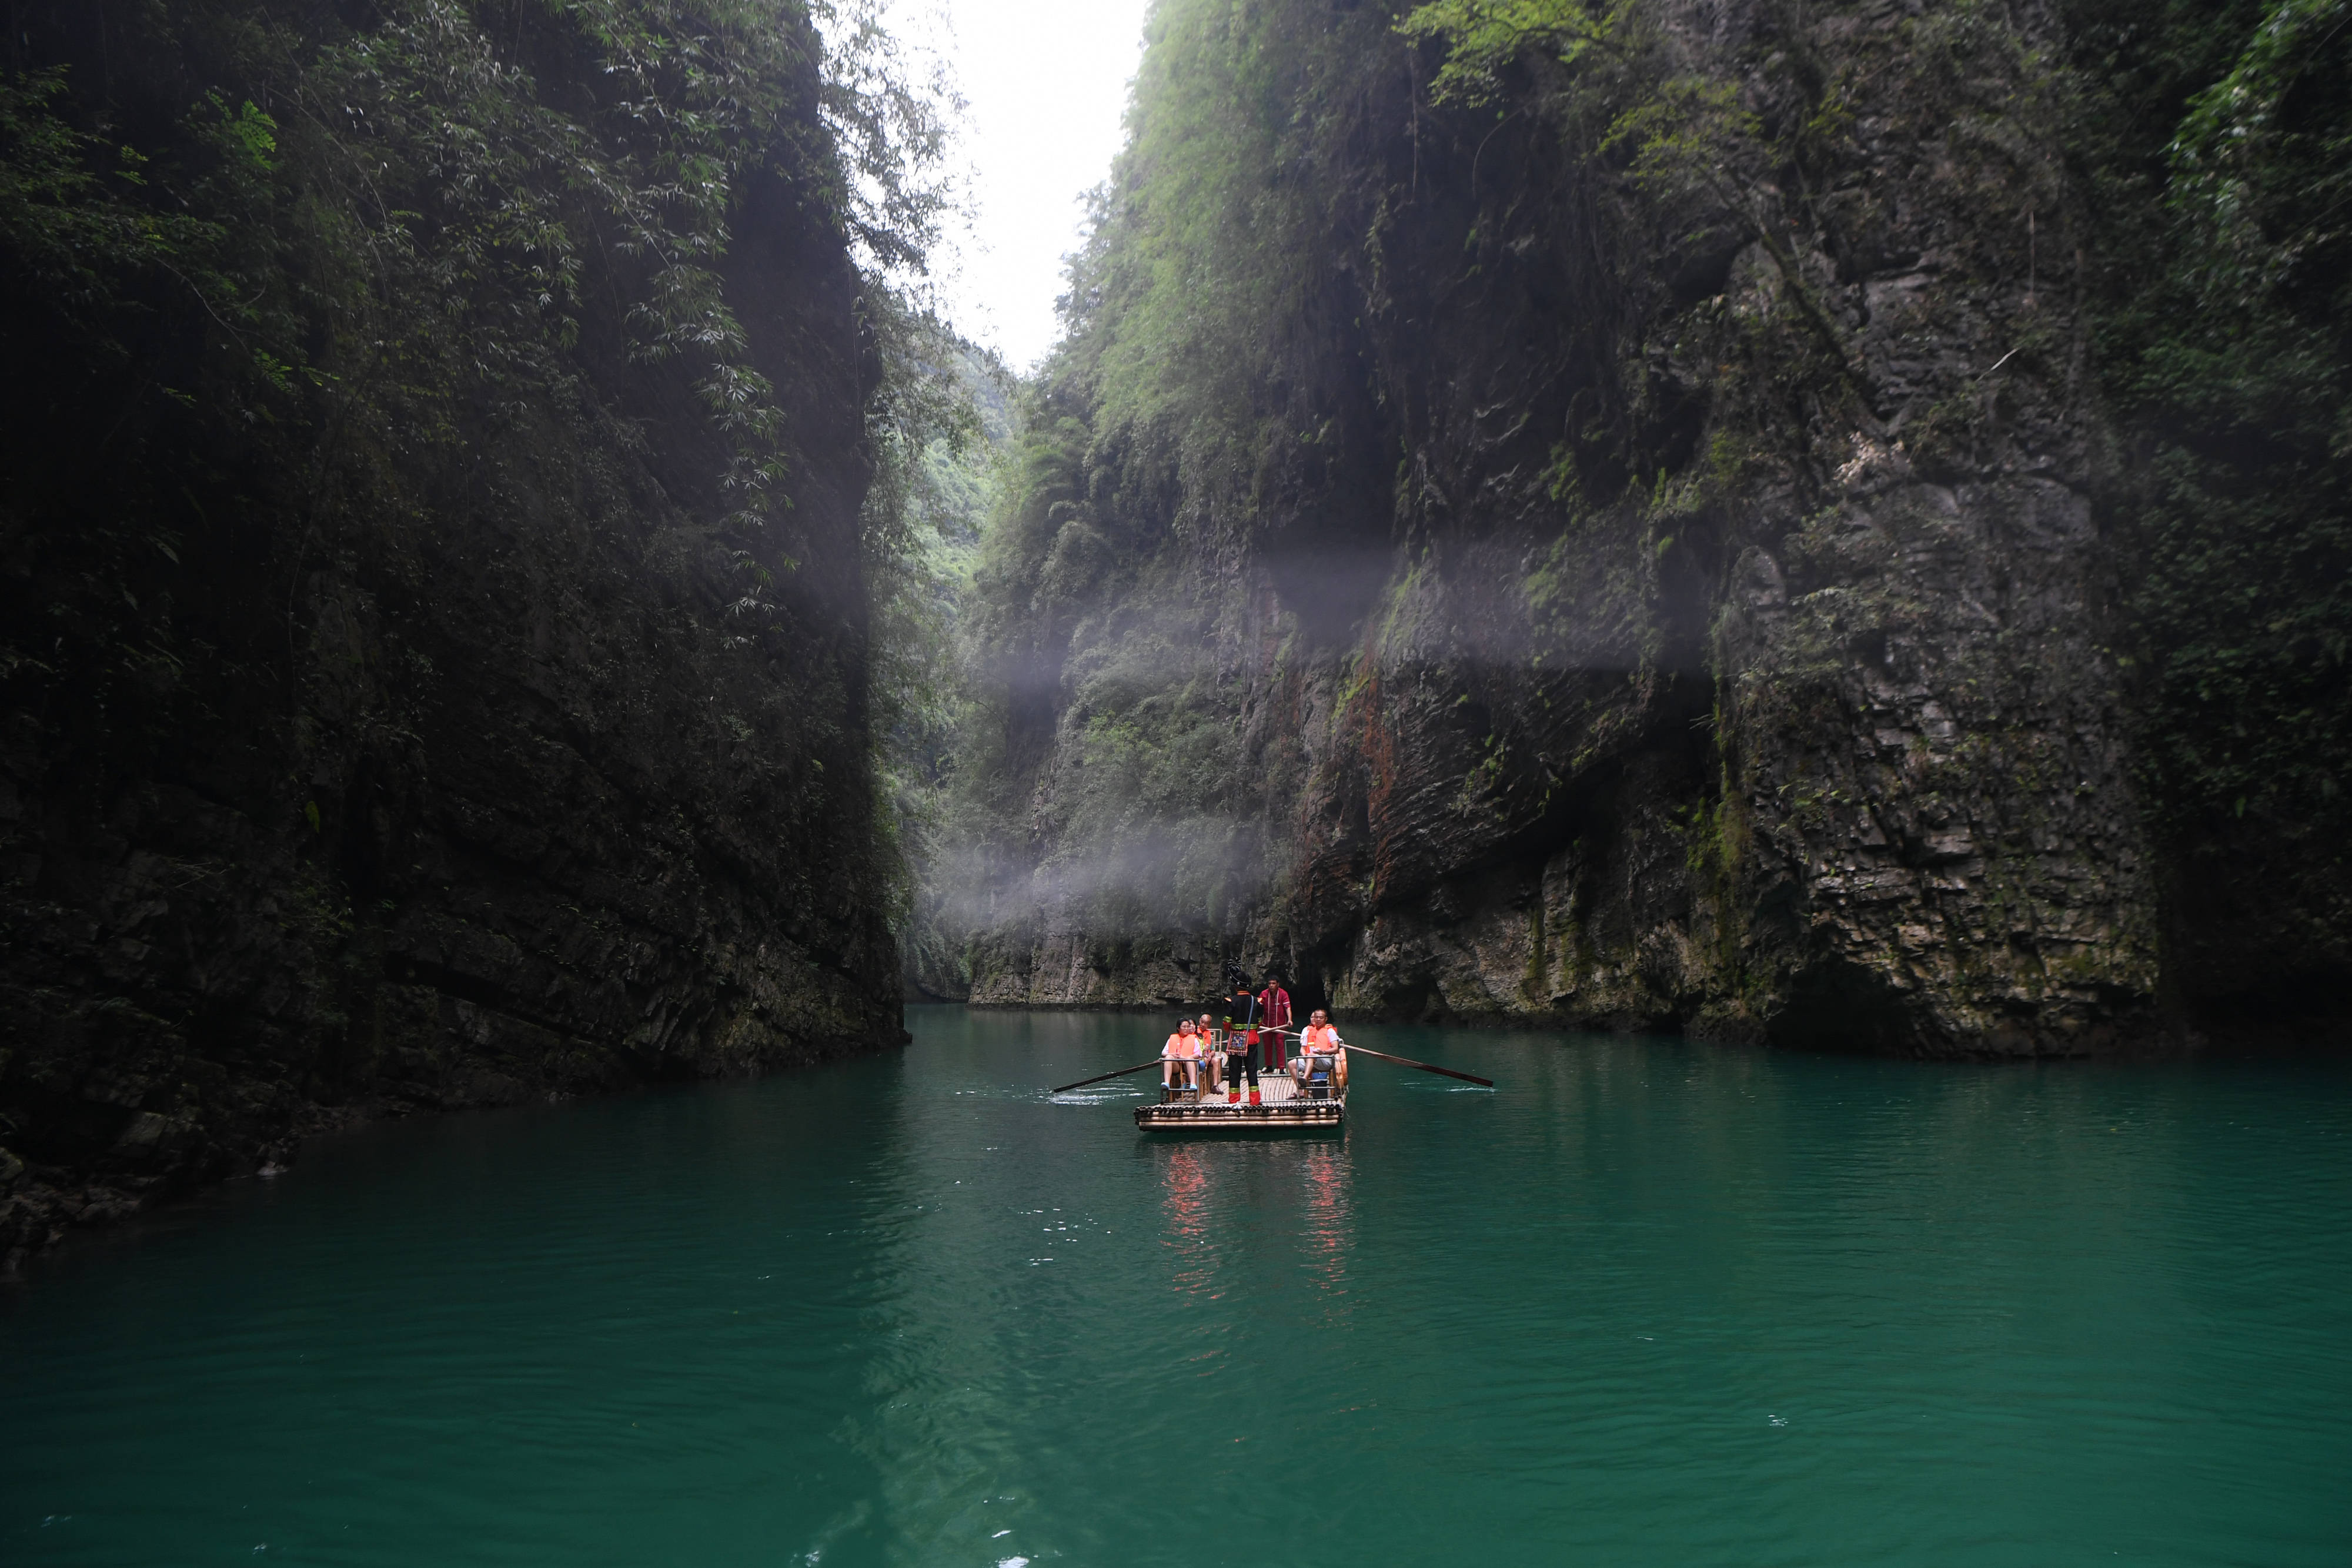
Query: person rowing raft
x=1241 y=1046
x=1274 y=1013
x=1182 y=1056
x=1273 y=1004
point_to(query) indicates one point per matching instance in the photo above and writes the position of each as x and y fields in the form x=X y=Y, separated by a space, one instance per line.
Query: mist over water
x=1133 y=877
x=1648 y=1302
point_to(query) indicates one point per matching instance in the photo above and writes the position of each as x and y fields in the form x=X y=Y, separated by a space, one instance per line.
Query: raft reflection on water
x=1302 y=1189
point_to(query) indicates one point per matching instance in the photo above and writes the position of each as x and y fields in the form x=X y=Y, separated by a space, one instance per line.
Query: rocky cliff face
x=426 y=723
x=1682 y=595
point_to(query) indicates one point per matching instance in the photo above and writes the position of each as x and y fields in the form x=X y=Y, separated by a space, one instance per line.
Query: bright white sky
x=1047 y=81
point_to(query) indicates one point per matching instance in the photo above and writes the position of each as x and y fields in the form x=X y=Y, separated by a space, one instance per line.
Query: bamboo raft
x=1284 y=1106
x=1285 y=1110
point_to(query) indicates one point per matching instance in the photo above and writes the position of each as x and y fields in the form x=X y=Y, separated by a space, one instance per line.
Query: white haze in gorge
x=1046 y=84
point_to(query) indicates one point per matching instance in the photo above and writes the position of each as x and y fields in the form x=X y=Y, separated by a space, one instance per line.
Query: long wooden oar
x=1425 y=1066
x=1122 y=1072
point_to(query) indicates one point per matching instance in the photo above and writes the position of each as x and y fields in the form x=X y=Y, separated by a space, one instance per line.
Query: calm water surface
x=1650 y=1303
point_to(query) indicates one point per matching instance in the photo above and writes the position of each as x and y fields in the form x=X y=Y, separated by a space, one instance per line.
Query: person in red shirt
x=1274 y=1013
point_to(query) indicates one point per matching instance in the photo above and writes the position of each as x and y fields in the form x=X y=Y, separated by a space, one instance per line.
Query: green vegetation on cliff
x=1492 y=437
x=439 y=555
x=2217 y=141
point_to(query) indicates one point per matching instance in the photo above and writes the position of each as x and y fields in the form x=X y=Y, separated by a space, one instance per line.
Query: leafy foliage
x=942 y=422
x=1486 y=39
x=53 y=212
x=338 y=295
x=2220 y=142
x=424 y=183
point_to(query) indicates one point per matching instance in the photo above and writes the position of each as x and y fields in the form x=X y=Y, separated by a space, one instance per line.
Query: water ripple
x=1645 y=1302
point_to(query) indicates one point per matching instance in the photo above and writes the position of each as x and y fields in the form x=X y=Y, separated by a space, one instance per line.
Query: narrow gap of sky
x=1046 y=81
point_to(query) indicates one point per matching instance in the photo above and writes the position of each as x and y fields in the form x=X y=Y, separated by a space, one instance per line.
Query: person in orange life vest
x=1298 y=1040
x=1320 y=1039
x=1181 y=1055
x=1274 y=1013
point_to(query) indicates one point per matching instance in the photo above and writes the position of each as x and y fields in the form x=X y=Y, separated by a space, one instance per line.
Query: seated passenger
x=1212 y=1054
x=1320 y=1041
x=1181 y=1057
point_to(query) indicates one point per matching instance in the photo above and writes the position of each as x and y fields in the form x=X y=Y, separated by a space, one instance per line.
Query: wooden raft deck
x=1285 y=1110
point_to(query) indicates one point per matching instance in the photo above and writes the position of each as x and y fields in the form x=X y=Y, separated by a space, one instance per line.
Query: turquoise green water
x=1649 y=1304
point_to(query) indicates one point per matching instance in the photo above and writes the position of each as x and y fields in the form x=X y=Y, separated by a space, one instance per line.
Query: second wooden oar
x=1425 y=1066
x=1122 y=1072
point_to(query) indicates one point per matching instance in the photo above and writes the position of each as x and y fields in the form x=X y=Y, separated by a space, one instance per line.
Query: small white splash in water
x=1778 y=1420
x=1013 y=1563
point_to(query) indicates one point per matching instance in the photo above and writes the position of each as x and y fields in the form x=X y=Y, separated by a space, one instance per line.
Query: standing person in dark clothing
x=1241 y=1045
x=1274 y=1013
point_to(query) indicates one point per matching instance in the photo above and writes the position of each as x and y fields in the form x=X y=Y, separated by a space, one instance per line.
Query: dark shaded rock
x=451 y=761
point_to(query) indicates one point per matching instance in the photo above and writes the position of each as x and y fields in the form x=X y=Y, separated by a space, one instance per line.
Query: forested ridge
x=1810 y=523
x=457 y=456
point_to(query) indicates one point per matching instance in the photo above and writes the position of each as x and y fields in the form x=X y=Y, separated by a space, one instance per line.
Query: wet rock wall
x=1815 y=734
